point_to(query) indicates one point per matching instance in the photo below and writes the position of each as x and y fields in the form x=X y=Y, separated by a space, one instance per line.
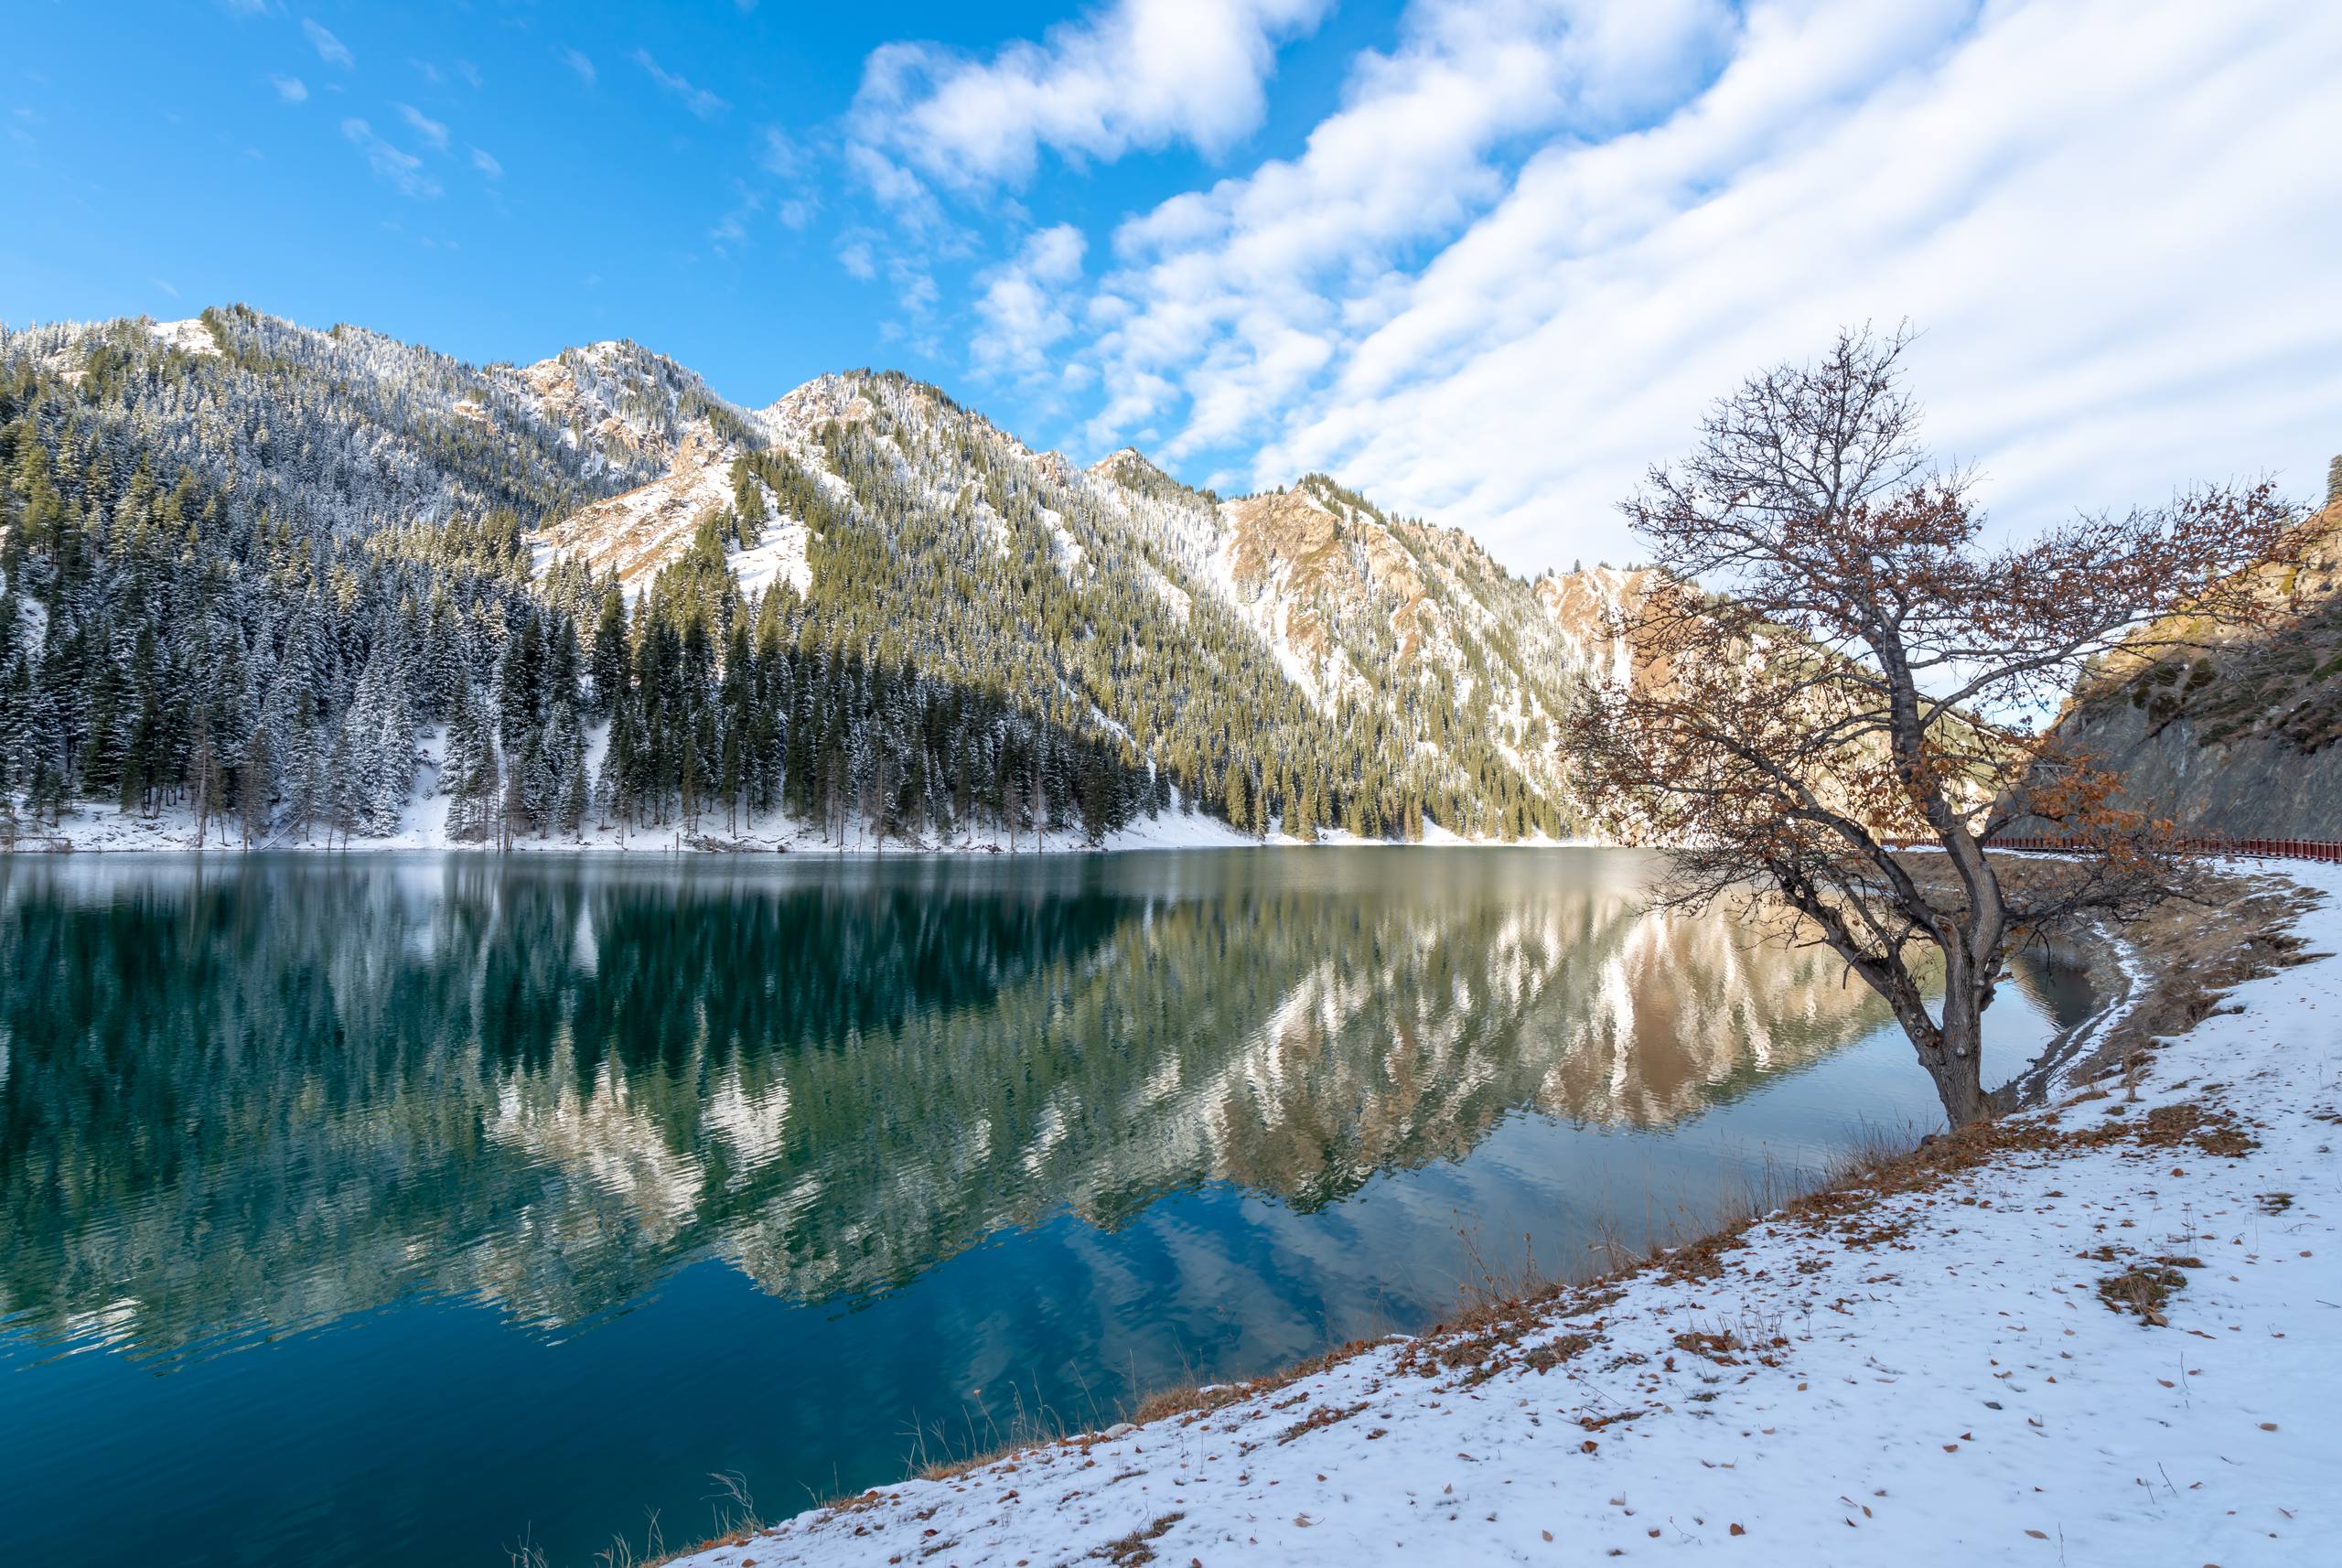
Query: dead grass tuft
x=1717 y=1346
x=1136 y=1548
x=2142 y=1290
x=1553 y=1352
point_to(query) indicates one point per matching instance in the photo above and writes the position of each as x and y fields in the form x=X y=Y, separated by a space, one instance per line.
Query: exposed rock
x=2235 y=733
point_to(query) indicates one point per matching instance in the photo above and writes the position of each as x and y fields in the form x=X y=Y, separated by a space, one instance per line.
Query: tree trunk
x=1956 y=1061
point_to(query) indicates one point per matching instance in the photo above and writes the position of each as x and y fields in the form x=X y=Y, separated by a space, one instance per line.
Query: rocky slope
x=1403 y=646
x=2235 y=735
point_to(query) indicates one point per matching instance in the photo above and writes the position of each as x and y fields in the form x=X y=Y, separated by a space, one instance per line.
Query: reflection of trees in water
x=270 y=1094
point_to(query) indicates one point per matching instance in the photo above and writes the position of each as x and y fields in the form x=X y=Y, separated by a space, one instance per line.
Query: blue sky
x=1485 y=259
x=190 y=152
x=549 y=175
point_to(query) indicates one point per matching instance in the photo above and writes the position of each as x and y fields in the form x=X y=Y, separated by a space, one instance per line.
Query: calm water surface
x=395 y=1210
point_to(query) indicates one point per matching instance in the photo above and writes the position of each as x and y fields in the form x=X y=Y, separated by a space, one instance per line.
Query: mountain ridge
x=1292 y=660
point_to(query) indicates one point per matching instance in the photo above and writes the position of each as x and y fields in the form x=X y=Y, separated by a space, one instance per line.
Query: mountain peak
x=1126 y=456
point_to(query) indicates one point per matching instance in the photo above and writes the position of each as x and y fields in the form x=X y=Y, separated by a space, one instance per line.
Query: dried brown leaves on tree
x=1838 y=659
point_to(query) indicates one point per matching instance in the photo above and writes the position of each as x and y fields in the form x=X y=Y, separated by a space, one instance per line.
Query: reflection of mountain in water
x=269 y=1094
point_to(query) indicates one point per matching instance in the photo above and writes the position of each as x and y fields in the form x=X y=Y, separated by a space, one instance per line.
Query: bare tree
x=203 y=775
x=1836 y=662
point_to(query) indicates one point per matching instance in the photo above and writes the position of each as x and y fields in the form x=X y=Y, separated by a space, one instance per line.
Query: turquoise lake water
x=405 y=1210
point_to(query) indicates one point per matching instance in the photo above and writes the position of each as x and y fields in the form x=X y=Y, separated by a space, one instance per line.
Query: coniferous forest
x=305 y=587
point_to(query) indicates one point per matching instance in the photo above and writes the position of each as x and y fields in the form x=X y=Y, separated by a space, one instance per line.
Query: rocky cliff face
x=2235 y=735
x=2258 y=787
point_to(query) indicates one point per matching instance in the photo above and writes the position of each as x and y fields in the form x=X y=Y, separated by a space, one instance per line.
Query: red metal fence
x=2285 y=849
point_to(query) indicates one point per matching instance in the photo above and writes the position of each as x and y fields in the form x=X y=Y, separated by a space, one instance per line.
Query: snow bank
x=190 y=337
x=103 y=828
x=100 y=827
x=1926 y=1376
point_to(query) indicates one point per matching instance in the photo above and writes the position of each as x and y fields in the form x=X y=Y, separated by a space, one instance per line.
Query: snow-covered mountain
x=1299 y=659
x=1458 y=667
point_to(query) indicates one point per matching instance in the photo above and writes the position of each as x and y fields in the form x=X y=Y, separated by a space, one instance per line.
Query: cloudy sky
x=1482 y=259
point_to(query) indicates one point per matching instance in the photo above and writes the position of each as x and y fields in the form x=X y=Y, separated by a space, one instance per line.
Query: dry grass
x=2142 y=1290
x=936 y=1453
x=2233 y=929
x=1845 y=1208
x=1136 y=1548
x=2212 y=1129
x=737 y=1524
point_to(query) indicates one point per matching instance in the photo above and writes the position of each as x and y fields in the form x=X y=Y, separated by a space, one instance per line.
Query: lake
x=383 y=1209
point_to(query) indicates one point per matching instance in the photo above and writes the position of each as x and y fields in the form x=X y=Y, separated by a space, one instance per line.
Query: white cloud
x=485 y=161
x=706 y=105
x=2104 y=214
x=856 y=256
x=576 y=60
x=915 y=290
x=1023 y=309
x=1139 y=74
x=401 y=171
x=290 y=89
x=902 y=193
x=331 y=50
x=1243 y=295
x=424 y=125
x=2076 y=201
x=778 y=154
x=730 y=231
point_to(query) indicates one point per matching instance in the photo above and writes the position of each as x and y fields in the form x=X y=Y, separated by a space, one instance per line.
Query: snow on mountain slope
x=1298 y=656
x=188 y=336
x=628 y=409
x=358 y=431
x=639 y=530
x=619 y=400
x=1366 y=611
x=1583 y=607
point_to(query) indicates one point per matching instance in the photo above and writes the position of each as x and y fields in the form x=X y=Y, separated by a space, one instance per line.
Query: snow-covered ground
x=1924 y=1374
x=97 y=826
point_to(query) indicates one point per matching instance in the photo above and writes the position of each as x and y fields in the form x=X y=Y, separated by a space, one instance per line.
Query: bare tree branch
x=1835 y=664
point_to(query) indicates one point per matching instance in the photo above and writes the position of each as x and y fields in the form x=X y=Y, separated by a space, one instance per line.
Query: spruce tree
x=609 y=659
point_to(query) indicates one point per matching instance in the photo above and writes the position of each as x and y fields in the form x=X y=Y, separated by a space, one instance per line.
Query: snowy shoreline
x=1944 y=1362
x=103 y=830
